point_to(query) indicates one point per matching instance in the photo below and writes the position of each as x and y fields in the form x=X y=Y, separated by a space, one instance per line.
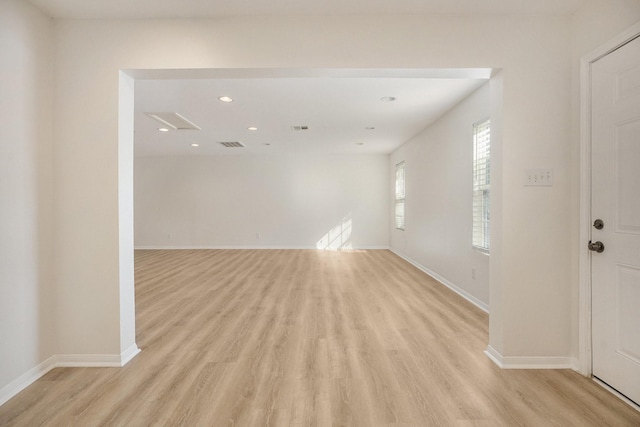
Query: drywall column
x=496 y=338
x=128 y=347
x=87 y=206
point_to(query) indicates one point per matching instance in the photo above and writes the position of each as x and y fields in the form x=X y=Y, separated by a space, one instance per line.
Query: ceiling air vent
x=299 y=128
x=174 y=121
x=232 y=144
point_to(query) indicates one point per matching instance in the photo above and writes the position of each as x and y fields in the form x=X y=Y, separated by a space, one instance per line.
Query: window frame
x=481 y=186
x=400 y=196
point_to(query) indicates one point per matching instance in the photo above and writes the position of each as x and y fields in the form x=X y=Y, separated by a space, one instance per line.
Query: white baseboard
x=88 y=361
x=97 y=360
x=162 y=247
x=186 y=247
x=66 y=361
x=129 y=354
x=464 y=294
x=530 y=362
x=494 y=355
x=26 y=379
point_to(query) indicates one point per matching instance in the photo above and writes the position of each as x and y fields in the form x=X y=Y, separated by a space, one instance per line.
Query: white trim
x=584 y=273
x=66 y=361
x=97 y=360
x=495 y=356
x=160 y=247
x=584 y=362
x=464 y=294
x=529 y=362
x=129 y=354
x=26 y=379
x=88 y=361
x=628 y=35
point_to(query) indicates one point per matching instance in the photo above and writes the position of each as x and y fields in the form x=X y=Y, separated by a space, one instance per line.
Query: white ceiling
x=216 y=8
x=338 y=107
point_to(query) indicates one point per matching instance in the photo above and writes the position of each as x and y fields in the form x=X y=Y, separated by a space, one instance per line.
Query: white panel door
x=615 y=200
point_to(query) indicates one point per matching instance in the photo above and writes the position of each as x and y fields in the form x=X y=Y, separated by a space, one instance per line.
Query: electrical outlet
x=538 y=178
x=473 y=273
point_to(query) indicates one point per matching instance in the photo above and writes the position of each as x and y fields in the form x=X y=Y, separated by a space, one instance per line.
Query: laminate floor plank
x=307 y=338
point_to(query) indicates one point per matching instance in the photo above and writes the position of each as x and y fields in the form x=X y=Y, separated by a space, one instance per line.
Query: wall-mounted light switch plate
x=538 y=178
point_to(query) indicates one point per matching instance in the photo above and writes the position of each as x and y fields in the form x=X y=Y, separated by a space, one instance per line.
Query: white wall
x=534 y=53
x=438 y=206
x=294 y=201
x=26 y=333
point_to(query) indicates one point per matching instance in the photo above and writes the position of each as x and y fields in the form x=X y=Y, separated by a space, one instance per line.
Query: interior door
x=615 y=201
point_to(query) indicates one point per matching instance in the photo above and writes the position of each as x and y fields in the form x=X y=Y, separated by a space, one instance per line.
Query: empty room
x=340 y=213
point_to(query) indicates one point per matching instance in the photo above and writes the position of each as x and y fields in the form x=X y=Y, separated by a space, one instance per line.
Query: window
x=481 y=184
x=399 y=196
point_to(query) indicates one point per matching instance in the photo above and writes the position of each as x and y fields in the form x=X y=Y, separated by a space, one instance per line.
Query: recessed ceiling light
x=388 y=98
x=252 y=128
x=195 y=145
x=163 y=129
x=226 y=99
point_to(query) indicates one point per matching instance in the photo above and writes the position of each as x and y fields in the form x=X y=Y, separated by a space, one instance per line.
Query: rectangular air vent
x=174 y=121
x=298 y=128
x=232 y=144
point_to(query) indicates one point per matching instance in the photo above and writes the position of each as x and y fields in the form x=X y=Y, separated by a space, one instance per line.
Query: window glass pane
x=481 y=184
x=399 y=196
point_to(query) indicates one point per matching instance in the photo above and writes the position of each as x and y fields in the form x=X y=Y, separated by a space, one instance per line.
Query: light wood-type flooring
x=307 y=338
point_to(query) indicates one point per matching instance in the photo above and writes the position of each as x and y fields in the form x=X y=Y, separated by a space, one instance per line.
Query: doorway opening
x=129 y=135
